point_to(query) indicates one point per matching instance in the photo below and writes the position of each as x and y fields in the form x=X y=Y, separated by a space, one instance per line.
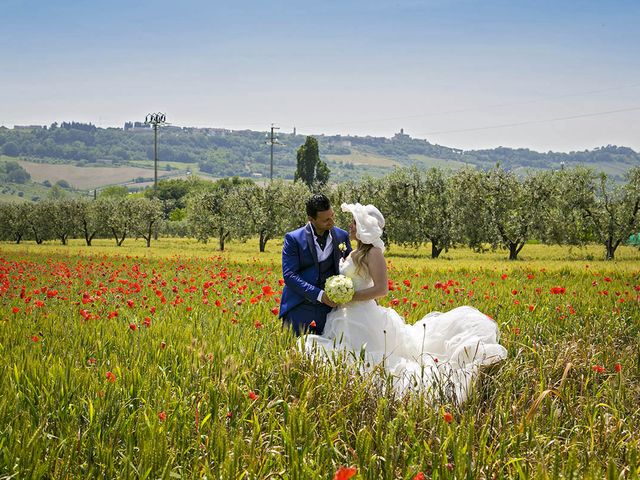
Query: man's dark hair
x=317 y=203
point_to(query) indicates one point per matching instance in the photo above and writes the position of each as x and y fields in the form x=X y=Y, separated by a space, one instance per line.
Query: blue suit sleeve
x=291 y=270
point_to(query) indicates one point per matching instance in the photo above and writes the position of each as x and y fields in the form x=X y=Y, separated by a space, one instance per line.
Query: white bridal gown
x=440 y=354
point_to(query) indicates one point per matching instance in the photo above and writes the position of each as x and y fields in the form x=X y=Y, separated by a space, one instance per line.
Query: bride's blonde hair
x=359 y=256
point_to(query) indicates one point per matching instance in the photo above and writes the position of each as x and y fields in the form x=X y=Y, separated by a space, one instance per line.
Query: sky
x=560 y=75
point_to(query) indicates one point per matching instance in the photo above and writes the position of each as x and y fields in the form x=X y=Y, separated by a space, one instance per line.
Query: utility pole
x=155 y=119
x=272 y=141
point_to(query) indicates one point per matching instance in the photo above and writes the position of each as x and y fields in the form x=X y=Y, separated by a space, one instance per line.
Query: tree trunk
x=263 y=241
x=222 y=237
x=37 y=238
x=435 y=250
x=63 y=239
x=148 y=237
x=611 y=247
x=18 y=238
x=514 y=250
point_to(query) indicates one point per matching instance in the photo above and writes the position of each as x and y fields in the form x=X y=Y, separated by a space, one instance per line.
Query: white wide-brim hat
x=369 y=223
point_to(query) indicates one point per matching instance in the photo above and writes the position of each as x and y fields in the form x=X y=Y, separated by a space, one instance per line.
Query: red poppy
x=258 y=324
x=162 y=416
x=598 y=369
x=275 y=310
x=504 y=276
x=163 y=345
x=111 y=377
x=35 y=339
x=252 y=395
x=407 y=283
x=419 y=476
x=345 y=473
x=267 y=290
x=15 y=310
x=447 y=417
x=313 y=324
x=618 y=367
x=147 y=322
x=133 y=326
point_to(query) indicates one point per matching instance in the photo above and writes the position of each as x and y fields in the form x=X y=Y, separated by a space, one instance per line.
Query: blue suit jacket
x=300 y=265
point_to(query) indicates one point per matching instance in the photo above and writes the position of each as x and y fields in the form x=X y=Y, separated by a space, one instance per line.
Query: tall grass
x=213 y=387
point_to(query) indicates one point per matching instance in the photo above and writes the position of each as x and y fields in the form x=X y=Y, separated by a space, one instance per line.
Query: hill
x=88 y=157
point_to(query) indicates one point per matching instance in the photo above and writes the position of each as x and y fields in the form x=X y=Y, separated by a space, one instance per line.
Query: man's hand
x=326 y=301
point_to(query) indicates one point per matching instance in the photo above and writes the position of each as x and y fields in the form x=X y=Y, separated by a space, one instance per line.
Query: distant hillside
x=127 y=154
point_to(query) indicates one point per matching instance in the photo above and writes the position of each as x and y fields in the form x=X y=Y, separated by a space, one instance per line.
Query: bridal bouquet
x=339 y=288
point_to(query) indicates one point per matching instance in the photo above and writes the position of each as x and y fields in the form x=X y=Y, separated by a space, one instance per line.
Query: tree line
x=468 y=207
x=222 y=152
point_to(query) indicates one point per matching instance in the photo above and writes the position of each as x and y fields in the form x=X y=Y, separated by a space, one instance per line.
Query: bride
x=439 y=354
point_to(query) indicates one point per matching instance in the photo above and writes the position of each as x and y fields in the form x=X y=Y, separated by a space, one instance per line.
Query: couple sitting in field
x=442 y=351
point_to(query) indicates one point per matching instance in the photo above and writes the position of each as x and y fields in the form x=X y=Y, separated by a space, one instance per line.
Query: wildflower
x=15 y=310
x=162 y=416
x=607 y=279
x=163 y=345
x=313 y=324
x=419 y=476
x=258 y=324
x=345 y=473
x=267 y=290
x=598 y=369
x=407 y=283
x=252 y=395
x=504 y=276
x=133 y=326
x=447 y=417
x=111 y=377
x=147 y=322
x=514 y=292
x=275 y=310
x=450 y=466
x=35 y=339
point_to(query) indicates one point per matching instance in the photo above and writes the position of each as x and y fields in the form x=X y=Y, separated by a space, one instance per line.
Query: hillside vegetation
x=125 y=156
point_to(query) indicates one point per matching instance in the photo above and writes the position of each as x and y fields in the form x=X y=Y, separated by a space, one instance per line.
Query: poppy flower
x=345 y=473
x=35 y=338
x=313 y=324
x=258 y=324
x=447 y=417
x=419 y=476
x=252 y=395
x=162 y=416
x=598 y=369
x=618 y=367
x=133 y=326
x=111 y=377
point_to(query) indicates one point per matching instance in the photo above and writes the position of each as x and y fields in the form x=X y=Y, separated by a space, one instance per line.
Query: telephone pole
x=272 y=141
x=155 y=120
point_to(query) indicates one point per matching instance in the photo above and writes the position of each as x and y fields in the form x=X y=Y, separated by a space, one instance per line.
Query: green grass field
x=169 y=362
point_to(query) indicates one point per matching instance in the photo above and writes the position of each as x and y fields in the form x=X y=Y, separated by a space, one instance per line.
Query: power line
x=485 y=107
x=532 y=122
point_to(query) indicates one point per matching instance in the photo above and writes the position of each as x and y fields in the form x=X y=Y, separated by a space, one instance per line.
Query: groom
x=310 y=255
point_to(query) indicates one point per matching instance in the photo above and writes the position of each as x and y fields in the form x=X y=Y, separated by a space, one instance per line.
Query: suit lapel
x=312 y=246
x=336 y=250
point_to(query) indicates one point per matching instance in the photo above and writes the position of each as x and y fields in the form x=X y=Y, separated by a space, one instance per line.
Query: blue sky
x=547 y=75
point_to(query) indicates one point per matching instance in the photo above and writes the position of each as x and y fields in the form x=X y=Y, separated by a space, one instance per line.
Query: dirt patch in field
x=86 y=177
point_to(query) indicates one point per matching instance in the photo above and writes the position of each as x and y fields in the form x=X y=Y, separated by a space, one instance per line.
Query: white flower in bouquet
x=339 y=288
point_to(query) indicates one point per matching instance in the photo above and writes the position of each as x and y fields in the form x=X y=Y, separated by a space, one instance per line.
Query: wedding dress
x=439 y=355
